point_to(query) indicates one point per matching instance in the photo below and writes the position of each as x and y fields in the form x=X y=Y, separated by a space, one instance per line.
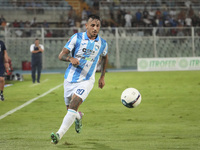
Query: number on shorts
x=80 y=91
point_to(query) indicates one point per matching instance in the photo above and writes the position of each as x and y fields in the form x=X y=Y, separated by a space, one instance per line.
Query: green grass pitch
x=168 y=117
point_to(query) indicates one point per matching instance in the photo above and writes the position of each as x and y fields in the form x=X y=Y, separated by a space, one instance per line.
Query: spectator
x=181 y=17
x=3 y=24
x=21 y=24
x=36 y=59
x=70 y=22
x=45 y=24
x=188 y=3
x=16 y=24
x=128 y=20
x=138 y=17
x=165 y=13
x=146 y=20
x=33 y=22
x=152 y=17
x=173 y=13
x=48 y=34
x=159 y=22
x=151 y=14
x=158 y=13
x=84 y=13
x=188 y=21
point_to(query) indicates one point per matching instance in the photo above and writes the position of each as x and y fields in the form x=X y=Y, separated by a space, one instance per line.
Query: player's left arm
x=104 y=61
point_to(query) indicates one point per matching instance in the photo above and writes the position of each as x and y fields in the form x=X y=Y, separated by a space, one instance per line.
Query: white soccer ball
x=131 y=97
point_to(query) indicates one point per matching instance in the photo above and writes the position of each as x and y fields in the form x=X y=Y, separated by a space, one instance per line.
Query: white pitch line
x=28 y=102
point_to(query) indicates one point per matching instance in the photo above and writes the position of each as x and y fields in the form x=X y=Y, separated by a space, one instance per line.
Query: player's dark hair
x=93 y=16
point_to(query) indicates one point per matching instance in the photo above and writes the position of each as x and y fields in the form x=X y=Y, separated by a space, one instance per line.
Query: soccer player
x=82 y=51
x=36 y=59
x=3 y=65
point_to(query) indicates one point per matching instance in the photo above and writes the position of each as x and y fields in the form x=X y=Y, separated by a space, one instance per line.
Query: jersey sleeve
x=105 y=51
x=71 y=42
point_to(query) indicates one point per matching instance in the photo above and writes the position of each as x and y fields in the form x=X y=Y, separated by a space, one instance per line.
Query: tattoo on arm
x=65 y=57
x=103 y=65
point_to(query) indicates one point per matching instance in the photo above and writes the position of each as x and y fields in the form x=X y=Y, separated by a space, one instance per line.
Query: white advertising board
x=168 y=64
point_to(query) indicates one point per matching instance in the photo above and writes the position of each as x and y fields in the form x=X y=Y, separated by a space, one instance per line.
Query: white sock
x=67 y=122
x=78 y=116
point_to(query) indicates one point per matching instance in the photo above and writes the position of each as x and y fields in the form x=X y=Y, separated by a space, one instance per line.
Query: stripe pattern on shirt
x=87 y=52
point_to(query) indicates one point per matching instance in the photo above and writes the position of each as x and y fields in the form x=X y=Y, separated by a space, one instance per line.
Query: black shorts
x=2 y=71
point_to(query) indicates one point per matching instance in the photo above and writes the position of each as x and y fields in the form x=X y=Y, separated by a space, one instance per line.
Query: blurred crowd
x=162 y=16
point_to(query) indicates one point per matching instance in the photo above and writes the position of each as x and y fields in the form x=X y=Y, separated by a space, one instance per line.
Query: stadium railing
x=125 y=45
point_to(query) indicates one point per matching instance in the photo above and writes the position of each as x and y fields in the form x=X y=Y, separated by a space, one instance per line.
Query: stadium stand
x=167 y=34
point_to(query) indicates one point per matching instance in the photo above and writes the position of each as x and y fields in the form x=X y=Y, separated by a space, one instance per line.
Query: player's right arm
x=65 y=56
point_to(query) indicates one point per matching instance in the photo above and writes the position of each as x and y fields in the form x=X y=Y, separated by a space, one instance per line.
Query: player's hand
x=101 y=82
x=6 y=66
x=74 y=61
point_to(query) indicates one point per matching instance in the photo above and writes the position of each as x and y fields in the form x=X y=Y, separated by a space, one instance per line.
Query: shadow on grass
x=86 y=145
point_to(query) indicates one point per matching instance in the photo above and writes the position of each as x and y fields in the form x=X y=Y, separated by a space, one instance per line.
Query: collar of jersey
x=87 y=38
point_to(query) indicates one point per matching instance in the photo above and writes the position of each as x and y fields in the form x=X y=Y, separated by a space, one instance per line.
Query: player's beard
x=94 y=34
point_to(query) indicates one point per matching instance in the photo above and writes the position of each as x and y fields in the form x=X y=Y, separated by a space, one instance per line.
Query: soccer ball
x=131 y=97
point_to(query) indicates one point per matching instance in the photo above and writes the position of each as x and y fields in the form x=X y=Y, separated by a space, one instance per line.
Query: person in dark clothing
x=36 y=59
x=3 y=67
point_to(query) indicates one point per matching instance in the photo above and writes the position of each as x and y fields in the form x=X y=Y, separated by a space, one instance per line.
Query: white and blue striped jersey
x=88 y=53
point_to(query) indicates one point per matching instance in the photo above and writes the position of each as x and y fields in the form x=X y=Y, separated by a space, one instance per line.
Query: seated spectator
x=159 y=22
x=3 y=24
x=173 y=13
x=16 y=24
x=48 y=34
x=21 y=24
x=158 y=13
x=33 y=22
x=45 y=24
x=188 y=21
x=165 y=13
